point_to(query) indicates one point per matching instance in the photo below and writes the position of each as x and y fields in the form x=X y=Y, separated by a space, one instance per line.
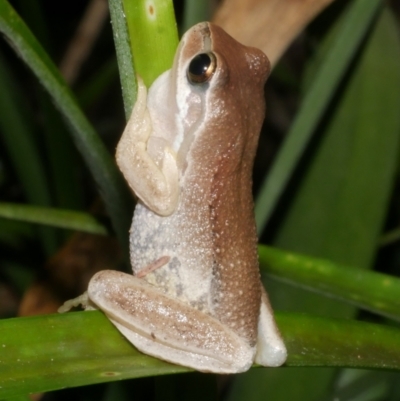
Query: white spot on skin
x=150 y=10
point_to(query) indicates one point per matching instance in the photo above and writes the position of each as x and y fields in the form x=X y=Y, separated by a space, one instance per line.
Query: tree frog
x=187 y=152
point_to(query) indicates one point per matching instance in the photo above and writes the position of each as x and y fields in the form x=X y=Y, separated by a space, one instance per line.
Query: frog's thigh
x=166 y=327
x=271 y=350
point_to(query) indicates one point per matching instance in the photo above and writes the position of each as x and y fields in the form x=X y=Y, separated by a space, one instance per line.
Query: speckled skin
x=211 y=237
x=196 y=298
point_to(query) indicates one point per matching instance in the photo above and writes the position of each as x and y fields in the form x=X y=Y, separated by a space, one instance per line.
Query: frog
x=187 y=152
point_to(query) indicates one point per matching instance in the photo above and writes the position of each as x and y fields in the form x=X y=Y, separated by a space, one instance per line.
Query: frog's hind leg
x=168 y=328
x=271 y=350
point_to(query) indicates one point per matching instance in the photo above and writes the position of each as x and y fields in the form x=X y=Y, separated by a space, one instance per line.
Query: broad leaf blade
x=75 y=354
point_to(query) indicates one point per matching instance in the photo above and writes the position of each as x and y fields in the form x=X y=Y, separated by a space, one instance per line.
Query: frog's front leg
x=168 y=328
x=156 y=186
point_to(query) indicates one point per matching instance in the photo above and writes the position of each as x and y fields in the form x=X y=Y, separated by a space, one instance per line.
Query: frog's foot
x=168 y=328
x=75 y=302
x=271 y=350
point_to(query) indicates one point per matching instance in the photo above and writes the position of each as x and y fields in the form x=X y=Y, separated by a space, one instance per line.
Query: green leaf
x=66 y=219
x=68 y=350
x=153 y=36
x=146 y=38
x=19 y=140
x=18 y=136
x=124 y=55
x=84 y=348
x=100 y=163
x=340 y=206
x=63 y=159
x=194 y=12
x=354 y=27
x=372 y=291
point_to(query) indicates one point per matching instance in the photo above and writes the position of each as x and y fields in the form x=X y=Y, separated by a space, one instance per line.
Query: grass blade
x=354 y=27
x=66 y=219
x=127 y=74
x=24 y=151
x=372 y=291
x=100 y=163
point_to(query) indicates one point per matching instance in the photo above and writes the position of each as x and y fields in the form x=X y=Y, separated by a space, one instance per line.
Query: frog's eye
x=201 y=68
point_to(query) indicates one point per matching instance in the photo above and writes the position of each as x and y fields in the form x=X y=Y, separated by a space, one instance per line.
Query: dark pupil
x=199 y=65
